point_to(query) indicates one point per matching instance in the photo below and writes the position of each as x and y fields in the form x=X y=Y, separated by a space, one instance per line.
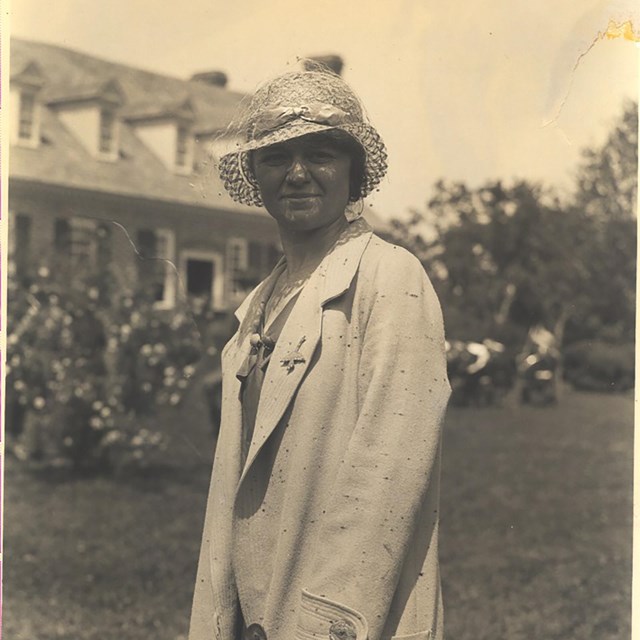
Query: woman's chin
x=301 y=216
x=306 y=215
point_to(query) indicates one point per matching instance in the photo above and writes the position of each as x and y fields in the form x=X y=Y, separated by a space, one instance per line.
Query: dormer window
x=25 y=109
x=167 y=130
x=90 y=112
x=107 y=131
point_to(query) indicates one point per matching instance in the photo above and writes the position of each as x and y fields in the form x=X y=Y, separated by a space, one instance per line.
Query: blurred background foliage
x=88 y=367
x=505 y=257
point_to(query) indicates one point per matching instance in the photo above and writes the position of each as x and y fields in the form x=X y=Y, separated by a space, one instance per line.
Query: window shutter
x=146 y=247
x=103 y=252
x=62 y=236
x=19 y=242
x=62 y=247
x=146 y=243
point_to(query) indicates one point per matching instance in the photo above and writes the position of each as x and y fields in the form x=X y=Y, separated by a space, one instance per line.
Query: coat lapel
x=300 y=335
x=248 y=315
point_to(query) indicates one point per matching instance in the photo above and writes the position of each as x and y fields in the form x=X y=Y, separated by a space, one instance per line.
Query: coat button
x=342 y=630
x=255 y=632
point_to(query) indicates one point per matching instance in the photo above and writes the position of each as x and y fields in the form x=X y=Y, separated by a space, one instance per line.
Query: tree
x=499 y=258
x=506 y=257
x=606 y=180
x=606 y=193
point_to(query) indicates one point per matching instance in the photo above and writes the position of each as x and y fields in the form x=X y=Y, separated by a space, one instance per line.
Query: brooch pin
x=294 y=357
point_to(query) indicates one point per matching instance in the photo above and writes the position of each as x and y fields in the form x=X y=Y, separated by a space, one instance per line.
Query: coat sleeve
x=391 y=458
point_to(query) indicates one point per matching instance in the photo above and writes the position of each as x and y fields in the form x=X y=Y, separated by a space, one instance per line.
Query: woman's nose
x=297 y=172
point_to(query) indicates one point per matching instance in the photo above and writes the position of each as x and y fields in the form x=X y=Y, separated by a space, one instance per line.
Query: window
x=107 y=131
x=237 y=265
x=27 y=116
x=156 y=249
x=81 y=243
x=248 y=263
x=75 y=240
x=182 y=147
x=262 y=258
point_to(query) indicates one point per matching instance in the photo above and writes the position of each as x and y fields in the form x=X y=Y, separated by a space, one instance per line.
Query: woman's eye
x=321 y=155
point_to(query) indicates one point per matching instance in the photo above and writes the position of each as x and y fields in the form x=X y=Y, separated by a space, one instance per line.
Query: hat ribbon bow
x=317 y=112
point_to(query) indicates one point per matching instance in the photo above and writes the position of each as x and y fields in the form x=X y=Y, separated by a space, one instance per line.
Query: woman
x=322 y=517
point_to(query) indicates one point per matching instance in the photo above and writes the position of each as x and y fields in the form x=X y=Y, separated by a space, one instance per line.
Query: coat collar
x=339 y=264
x=302 y=330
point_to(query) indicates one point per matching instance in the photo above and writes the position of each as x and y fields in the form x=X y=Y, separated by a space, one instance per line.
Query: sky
x=459 y=90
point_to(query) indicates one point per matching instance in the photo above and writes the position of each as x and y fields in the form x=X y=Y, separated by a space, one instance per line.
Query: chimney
x=212 y=78
x=333 y=62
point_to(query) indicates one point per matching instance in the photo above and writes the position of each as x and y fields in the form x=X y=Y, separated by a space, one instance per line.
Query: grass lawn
x=537 y=521
x=535 y=538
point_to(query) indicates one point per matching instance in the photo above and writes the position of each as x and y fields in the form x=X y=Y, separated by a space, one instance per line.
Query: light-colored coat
x=334 y=517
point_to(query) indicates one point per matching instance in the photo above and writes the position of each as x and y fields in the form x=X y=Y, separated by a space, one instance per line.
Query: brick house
x=112 y=163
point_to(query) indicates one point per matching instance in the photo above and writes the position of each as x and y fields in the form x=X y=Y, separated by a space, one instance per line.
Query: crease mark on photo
x=623 y=29
x=182 y=298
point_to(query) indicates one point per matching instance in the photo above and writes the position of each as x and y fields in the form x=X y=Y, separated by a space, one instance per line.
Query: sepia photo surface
x=511 y=131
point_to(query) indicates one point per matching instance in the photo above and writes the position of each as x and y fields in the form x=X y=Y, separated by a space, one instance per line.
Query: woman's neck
x=304 y=250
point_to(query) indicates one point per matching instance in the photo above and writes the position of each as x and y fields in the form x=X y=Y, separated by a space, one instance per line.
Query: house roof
x=103 y=90
x=68 y=68
x=150 y=110
x=62 y=160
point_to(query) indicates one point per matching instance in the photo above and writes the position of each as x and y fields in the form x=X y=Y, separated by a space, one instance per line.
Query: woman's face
x=304 y=182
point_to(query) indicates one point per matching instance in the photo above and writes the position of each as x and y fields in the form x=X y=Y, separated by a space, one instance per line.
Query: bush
x=85 y=368
x=593 y=365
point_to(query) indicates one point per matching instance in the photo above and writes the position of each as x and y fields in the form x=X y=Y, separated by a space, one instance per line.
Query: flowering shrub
x=85 y=367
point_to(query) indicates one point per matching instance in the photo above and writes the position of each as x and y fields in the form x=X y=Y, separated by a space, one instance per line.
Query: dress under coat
x=334 y=516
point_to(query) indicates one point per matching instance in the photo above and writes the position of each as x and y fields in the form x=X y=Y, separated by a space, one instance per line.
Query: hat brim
x=238 y=179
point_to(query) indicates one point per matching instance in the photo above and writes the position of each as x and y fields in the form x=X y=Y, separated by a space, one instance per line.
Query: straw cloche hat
x=293 y=105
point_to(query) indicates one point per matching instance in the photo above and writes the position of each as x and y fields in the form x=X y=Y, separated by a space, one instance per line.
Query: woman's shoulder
x=390 y=262
x=392 y=278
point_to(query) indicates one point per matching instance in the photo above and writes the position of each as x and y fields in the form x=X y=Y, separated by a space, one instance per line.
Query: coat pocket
x=321 y=617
